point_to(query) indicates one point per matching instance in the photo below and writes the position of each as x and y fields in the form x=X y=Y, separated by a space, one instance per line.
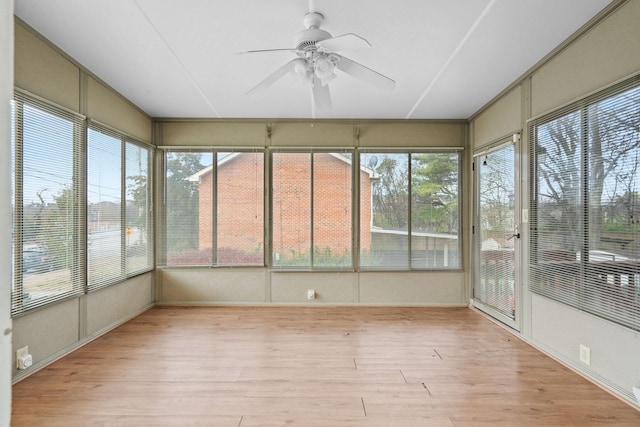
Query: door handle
x=516 y=234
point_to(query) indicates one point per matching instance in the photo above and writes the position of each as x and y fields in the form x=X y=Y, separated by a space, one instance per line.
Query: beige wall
x=313 y=133
x=594 y=59
x=61 y=327
x=503 y=118
x=107 y=107
x=41 y=70
x=205 y=286
x=263 y=286
x=603 y=55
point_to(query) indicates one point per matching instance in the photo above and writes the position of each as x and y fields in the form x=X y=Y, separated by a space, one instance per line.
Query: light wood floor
x=312 y=366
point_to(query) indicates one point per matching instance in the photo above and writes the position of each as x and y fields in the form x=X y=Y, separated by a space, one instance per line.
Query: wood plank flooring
x=311 y=366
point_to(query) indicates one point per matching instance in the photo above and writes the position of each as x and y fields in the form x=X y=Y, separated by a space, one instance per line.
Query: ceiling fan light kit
x=317 y=61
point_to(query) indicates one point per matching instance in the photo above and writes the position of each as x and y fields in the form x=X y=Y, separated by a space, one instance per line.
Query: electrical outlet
x=585 y=354
x=311 y=294
x=23 y=358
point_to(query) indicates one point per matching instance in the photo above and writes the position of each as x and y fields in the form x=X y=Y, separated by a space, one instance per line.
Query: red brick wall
x=365 y=211
x=291 y=203
x=240 y=203
x=205 y=220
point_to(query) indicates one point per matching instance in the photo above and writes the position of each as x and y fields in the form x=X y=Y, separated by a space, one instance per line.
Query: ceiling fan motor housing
x=306 y=39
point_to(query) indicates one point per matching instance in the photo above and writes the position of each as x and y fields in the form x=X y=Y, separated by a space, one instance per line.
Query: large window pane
x=214 y=213
x=291 y=231
x=585 y=239
x=139 y=230
x=403 y=190
x=240 y=209
x=45 y=198
x=188 y=208
x=385 y=244
x=434 y=210
x=557 y=222
x=332 y=209
x=312 y=214
x=104 y=208
x=613 y=144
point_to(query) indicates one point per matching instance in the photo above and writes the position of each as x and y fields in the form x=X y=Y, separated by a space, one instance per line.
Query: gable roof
x=196 y=177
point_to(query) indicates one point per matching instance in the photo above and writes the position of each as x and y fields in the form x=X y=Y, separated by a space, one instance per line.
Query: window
x=311 y=209
x=402 y=191
x=214 y=205
x=585 y=228
x=57 y=243
x=138 y=208
x=47 y=257
x=119 y=240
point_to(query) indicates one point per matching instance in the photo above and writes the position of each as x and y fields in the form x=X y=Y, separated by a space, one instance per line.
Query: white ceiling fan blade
x=365 y=74
x=343 y=42
x=274 y=77
x=321 y=95
x=290 y=49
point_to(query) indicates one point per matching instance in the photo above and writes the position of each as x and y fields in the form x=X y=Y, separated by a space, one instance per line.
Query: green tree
x=182 y=201
x=390 y=193
x=434 y=192
x=137 y=203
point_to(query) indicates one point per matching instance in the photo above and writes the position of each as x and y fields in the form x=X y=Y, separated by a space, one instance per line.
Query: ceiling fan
x=316 y=61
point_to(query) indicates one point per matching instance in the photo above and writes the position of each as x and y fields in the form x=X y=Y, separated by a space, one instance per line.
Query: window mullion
x=124 y=226
x=18 y=187
x=214 y=208
x=586 y=205
x=311 y=201
x=409 y=216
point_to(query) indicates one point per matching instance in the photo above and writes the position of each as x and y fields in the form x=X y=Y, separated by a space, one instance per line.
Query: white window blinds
x=585 y=222
x=119 y=226
x=48 y=261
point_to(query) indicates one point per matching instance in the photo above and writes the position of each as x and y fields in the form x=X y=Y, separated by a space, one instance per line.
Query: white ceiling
x=179 y=58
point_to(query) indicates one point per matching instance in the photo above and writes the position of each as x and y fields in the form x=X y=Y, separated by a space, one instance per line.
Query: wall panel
x=245 y=286
x=208 y=133
x=48 y=331
x=312 y=134
x=110 y=108
x=412 y=134
x=211 y=286
x=614 y=349
x=41 y=70
x=412 y=288
x=109 y=306
x=331 y=288
x=606 y=53
x=502 y=118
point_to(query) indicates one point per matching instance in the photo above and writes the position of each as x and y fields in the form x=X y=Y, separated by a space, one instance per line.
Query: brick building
x=240 y=211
